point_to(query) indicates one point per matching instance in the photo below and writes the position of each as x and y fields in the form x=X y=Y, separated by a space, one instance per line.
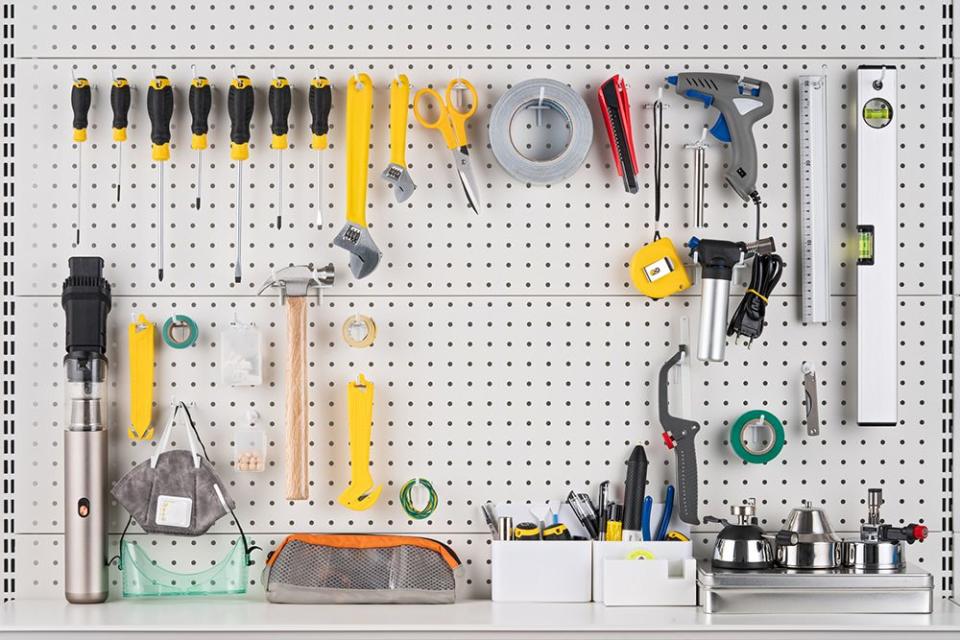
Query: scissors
x=453 y=125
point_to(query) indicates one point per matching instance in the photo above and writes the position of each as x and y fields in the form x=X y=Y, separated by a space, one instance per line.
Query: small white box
x=650 y=582
x=667 y=579
x=541 y=571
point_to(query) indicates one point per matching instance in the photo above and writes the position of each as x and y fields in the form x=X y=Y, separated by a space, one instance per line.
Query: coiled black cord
x=748 y=319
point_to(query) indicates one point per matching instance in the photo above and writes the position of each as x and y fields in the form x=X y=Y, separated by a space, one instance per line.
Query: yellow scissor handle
x=459 y=118
x=359 y=115
x=451 y=123
x=399 y=101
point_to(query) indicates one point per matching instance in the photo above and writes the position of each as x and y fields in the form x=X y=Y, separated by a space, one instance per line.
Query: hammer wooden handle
x=296 y=372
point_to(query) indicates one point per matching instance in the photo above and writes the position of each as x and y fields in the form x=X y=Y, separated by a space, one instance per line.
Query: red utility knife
x=616 y=115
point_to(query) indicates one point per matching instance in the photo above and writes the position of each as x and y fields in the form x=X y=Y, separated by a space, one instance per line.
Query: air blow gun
x=741 y=103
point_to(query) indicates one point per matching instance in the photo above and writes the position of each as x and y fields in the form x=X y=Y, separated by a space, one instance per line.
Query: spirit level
x=814 y=198
x=876 y=117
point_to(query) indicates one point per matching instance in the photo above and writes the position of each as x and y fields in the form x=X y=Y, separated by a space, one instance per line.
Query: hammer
x=295 y=282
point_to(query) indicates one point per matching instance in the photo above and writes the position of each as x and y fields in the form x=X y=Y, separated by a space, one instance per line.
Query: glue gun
x=741 y=102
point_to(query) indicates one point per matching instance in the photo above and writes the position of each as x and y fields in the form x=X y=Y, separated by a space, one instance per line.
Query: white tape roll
x=543 y=93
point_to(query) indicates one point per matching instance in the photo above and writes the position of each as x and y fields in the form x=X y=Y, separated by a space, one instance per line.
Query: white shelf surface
x=251 y=617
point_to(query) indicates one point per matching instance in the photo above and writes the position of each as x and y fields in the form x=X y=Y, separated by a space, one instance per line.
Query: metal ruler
x=814 y=198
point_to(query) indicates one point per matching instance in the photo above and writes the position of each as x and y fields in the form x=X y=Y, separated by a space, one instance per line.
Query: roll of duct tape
x=175 y=323
x=541 y=93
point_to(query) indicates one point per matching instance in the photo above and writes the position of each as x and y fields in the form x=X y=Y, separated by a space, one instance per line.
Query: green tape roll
x=768 y=453
x=167 y=332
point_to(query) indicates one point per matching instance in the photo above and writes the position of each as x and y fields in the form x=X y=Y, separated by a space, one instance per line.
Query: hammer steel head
x=364 y=254
x=297 y=280
x=399 y=177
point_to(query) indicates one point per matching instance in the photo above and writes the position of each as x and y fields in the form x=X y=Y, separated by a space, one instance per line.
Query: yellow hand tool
x=160 y=110
x=80 y=98
x=200 y=99
x=140 y=336
x=320 y=99
x=120 y=104
x=657 y=271
x=396 y=172
x=354 y=236
x=361 y=494
x=240 y=101
x=453 y=125
x=279 y=99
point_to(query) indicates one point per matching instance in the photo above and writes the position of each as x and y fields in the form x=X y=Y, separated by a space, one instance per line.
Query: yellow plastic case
x=648 y=265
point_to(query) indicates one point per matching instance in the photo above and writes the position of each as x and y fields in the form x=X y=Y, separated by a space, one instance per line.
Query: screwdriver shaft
x=160 y=223
x=319 y=189
x=279 y=187
x=119 y=168
x=236 y=268
x=199 y=176
x=79 y=189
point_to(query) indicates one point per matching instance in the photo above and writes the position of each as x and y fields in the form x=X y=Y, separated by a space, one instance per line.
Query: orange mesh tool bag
x=325 y=569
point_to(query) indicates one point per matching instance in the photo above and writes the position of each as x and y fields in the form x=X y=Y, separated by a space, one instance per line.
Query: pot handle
x=715 y=520
x=786 y=538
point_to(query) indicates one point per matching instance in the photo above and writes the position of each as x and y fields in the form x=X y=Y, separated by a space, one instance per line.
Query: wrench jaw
x=399 y=177
x=364 y=254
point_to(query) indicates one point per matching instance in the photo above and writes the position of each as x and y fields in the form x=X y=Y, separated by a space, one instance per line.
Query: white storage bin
x=541 y=571
x=670 y=578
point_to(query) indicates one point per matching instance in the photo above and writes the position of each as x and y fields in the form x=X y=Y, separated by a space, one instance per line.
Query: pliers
x=664 y=517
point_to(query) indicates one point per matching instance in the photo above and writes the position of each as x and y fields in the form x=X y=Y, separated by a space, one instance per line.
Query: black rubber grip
x=279 y=99
x=240 y=108
x=160 y=110
x=320 y=100
x=80 y=101
x=120 y=102
x=200 y=100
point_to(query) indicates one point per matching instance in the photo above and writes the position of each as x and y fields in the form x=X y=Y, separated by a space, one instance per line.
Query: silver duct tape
x=556 y=96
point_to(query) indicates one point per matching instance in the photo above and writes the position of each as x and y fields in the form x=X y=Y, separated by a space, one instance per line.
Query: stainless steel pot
x=818 y=547
x=743 y=545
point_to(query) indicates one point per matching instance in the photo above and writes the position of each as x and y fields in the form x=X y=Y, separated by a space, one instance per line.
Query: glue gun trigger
x=720 y=131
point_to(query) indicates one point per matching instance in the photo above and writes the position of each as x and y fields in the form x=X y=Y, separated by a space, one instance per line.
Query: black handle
x=200 y=99
x=160 y=109
x=635 y=489
x=715 y=520
x=80 y=101
x=320 y=99
x=786 y=538
x=240 y=107
x=279 y=99
x=120 y=103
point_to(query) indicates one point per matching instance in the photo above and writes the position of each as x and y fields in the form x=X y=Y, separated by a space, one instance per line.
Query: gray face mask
x=175 y=492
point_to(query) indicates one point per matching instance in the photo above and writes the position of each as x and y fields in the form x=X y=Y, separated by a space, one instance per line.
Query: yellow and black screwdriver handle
x=80 y=99
x=160 y=110
x=200 y=99
x=320 y=99
x=526 y=531
x=279 y=99
x=240 y=100
x=120 y=104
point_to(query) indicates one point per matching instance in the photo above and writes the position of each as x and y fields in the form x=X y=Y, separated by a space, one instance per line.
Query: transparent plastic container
x=240 y=355
x=142 y=577
x=250 y=446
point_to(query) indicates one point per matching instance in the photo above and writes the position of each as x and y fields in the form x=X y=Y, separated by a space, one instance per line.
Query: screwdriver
x=80 y=101
x=279 y=99
x=120 y=103
x=320 y=99
x=160 y=110
x=199 y=99
x=240 y=108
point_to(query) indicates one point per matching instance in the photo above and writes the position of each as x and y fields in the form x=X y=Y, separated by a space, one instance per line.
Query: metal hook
x=193 y=70
x=878 y=84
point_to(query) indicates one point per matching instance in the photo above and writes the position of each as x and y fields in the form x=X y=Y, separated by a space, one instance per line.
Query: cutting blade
x=461 y=160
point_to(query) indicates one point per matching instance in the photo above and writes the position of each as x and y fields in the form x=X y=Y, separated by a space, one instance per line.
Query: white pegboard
x=513 y=360
x=571 y=238
x=502 y=28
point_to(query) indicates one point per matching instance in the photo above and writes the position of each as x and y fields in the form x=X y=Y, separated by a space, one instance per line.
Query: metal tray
x=820 y=591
